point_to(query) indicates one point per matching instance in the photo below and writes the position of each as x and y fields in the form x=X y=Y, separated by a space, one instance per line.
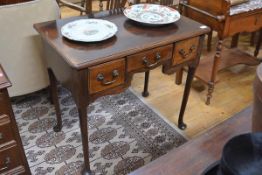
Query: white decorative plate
x=152 y=14
x=89 y=30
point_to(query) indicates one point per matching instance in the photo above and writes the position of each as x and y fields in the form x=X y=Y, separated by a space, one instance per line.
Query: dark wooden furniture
x=12 y=156
x=257 y=111
x=216 y=14
x=92 y=70
x=8 y=2
x=85 y=6
x=197 y=154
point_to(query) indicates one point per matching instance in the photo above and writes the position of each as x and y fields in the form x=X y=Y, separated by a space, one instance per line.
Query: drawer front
x=185 y=50
x=6 y=133
x=107 y=75
x=4 y=101
x=258 y=20
x=245 y=24
x=9 y=158
x=149 y=59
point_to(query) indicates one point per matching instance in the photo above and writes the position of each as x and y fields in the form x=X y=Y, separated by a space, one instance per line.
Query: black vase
x=242 y=155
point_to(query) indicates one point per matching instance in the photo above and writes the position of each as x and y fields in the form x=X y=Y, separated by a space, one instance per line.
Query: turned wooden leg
x=258 y=43
x=234 y=41
x=54 y=97
x=179 y=76
x=83 y=120
x=209 y=41
x=211 y=83
x=82 y=5
x=190 y=76
x=181 y=9
x=145 y=93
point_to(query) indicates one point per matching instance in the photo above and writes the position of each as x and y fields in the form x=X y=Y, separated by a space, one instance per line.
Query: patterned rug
x=124 y=134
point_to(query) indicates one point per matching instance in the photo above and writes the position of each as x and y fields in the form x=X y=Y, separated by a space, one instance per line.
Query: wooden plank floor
x=232 y=94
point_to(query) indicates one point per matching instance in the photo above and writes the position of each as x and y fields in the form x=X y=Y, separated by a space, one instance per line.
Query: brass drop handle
x=1 y=136
x=148 y=64
x=6 y=164
x=183 y=53
x=100 y=77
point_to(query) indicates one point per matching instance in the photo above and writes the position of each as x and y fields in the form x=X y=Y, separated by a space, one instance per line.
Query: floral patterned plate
x=89 y=30
x=152 y=14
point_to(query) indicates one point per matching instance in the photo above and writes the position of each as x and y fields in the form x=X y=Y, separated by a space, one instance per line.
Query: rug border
x=158 y=113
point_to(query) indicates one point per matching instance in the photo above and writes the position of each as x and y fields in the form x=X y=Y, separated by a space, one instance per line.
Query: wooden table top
x=196 y=155
x=130 y=38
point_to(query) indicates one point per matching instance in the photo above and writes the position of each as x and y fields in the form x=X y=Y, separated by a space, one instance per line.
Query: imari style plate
x=89 y=30
x=152 y=14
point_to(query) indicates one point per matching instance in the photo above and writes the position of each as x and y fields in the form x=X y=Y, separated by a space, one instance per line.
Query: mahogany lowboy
x=92 y=70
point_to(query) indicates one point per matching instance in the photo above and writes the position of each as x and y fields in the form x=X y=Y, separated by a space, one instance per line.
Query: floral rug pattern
x=124 y=134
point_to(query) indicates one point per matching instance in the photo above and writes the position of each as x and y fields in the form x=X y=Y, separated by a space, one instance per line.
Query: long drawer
x=9 y=157
x=149 y=59
x=247 y=23
x=6 y=133
x=4 y=101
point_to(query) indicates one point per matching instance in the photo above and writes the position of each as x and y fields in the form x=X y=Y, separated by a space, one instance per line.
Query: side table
x=227 y=21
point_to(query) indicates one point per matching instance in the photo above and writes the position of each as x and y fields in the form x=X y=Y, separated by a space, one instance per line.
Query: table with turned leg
x=227 y=21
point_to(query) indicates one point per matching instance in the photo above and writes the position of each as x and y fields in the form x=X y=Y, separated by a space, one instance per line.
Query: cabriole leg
x=54 y=97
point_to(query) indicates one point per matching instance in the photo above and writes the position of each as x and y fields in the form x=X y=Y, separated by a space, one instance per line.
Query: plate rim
x=144 y=22
x=89 y=19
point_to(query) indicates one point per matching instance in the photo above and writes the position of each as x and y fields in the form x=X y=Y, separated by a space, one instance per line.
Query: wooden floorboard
x=196 y=155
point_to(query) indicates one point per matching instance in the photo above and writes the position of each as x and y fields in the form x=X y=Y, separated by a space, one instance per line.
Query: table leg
x=258 y=43
x=234 y=42
x=179 y=76
x=50 y=94
x=209 y=41
x=211 y=83
x=145 y=93
x=190 y=76
x=83 y=120
x=54 y=96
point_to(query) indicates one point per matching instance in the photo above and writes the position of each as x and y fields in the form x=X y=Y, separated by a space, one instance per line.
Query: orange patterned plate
x=152 y=14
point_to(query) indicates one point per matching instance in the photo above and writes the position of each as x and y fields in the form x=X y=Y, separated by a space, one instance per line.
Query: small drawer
x=2 y=96
x=107 y=75
x=6 y=133
x=9 y=158
x=149 y=59
x=185 y=50
x=4 y=101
